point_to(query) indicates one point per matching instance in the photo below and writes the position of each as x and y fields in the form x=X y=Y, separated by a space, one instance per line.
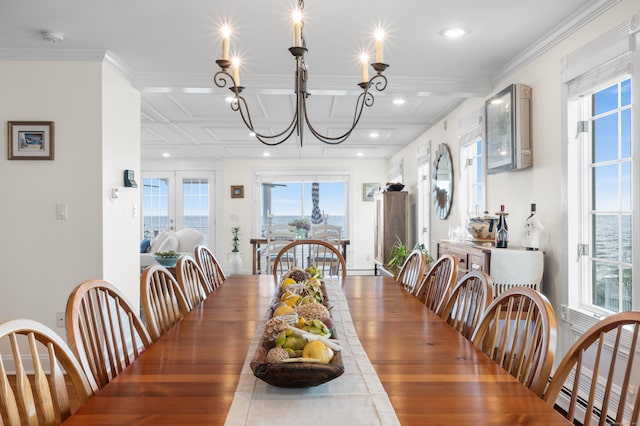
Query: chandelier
x=223 y=78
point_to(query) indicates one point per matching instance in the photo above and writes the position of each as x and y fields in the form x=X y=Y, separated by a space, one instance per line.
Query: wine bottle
x=502 y=229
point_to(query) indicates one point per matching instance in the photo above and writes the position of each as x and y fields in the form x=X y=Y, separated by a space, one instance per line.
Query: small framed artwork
x=31 y=140
x=369 y=190
x=237 y=191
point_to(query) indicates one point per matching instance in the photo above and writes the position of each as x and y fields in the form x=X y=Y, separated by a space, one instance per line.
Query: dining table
x=430 y=373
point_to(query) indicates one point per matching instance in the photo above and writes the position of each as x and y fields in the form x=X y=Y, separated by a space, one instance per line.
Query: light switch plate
x=62 y=211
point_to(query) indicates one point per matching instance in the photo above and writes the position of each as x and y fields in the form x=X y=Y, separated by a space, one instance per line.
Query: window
x=317 y=199
x=471 y=193
x=602 y=160
x=604 y=139
x=177 y=200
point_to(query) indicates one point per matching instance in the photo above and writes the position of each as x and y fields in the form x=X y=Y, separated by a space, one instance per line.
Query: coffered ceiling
x=167 y=49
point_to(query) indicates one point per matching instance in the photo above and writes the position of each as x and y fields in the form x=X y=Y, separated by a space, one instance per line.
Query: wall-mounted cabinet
x=391 y=222
x=508 y=129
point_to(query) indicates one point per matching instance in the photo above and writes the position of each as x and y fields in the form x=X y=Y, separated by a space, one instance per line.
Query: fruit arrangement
x=299 y=348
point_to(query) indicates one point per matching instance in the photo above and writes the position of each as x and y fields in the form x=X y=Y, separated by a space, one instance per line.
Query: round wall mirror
x=442 y=181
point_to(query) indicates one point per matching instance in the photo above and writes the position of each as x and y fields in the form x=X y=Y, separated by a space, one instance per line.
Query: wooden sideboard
x=514 y=266
x=391 y=222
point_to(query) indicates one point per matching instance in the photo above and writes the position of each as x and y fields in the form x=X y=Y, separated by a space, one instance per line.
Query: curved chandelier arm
x=239 y=104
x=366 y=98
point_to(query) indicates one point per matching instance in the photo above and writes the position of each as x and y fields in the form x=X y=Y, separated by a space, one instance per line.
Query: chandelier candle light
x=222 y=78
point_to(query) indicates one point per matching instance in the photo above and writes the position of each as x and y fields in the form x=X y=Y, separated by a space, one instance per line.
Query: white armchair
x=183 y=241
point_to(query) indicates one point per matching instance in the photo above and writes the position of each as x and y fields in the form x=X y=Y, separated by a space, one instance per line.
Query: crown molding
x=93 y=55
x=582 y=17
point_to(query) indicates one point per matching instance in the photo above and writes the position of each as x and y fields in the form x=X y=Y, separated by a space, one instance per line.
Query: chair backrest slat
x=211 y=268
x=518 y=332
x=45 y=398
x=191 y=280
x=325 y=257
x=162 y=300
x=434 y=288
x=104 y=330
x=468 y=301
x=412 y=270
x=604 y=357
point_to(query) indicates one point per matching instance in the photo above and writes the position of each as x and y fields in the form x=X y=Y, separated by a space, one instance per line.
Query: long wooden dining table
x=431 y=374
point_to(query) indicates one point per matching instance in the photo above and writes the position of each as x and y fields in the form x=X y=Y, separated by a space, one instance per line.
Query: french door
x=178 y=200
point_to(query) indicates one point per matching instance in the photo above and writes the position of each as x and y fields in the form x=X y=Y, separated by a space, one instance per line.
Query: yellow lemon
x=287 y=294
x=286 y=282
x=283 y=310
x=318 y=350
x=293 y=300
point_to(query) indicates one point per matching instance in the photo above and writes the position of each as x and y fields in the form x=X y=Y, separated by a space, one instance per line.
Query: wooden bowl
x=294 y=374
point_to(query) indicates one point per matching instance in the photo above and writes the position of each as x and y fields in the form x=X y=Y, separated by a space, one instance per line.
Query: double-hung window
x=603 y=196
x=471 y=194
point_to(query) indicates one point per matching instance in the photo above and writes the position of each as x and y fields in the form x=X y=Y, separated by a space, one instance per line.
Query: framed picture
x=30 y=140
x=237 y=191
x=369 y=190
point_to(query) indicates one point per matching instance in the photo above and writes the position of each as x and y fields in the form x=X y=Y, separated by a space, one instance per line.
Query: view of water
x=155 y=224
x=608 y=231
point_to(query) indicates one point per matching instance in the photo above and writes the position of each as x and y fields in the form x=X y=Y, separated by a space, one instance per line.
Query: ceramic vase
x=235 y=260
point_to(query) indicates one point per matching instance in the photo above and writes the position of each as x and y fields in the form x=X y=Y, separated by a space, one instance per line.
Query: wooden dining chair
x=278 y=236
x=518 y=332
x=325 y=257
x=211 y=268
x=600 y=371
x=468 y=301
x=39 y=393
x=162 y=301
x=434 y=288
x=191 y=280
x=412 y=270
x=103 y=329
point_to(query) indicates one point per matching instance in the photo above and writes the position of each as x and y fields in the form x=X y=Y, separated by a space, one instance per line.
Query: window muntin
x=608 y=185
x=285 y=199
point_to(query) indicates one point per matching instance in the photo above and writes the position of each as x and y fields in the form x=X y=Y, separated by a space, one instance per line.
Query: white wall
x=241 y=212
x=540 y=184
x=120 y=151
x=45 y=258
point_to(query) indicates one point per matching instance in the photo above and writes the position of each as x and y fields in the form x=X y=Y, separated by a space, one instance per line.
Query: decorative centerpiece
x=167 y=259
x=298 y=347
x=483 y=228
x=303 y=226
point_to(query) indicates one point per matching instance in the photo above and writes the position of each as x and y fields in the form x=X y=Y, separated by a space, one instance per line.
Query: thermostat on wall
x=129 y=179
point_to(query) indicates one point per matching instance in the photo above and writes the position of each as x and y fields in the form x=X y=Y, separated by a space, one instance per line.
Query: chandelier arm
x=328 y=139
x=222 y=78
x=242 y=107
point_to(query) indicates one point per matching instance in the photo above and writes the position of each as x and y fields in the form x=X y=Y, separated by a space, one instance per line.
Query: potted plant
x=398 y=254
x=235 y=258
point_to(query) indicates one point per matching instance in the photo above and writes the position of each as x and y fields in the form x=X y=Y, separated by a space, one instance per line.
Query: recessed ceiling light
x=53 y=36
x=359 y=154
x=398 y=101
x=374 y=135
x=166 y=155
x=229 y=98
x=454 y=32
x=252 y=134
x=266 y=154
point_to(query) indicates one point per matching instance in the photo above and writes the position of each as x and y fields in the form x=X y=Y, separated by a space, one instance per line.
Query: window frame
x=609 y=58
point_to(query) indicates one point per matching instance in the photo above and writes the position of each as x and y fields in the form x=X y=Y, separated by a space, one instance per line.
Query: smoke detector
x=53 y=36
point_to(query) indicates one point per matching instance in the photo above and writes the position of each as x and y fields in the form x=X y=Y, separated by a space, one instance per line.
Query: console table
x=508 y=267
x=256 y=267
